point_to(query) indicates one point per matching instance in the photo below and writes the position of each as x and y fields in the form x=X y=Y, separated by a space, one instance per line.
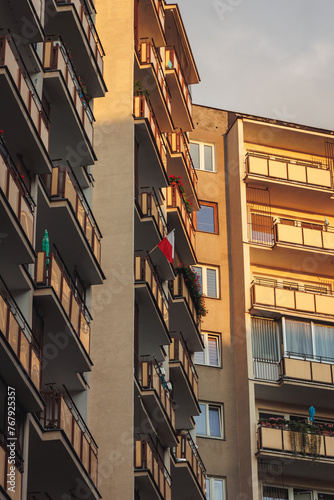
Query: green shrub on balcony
x=192 y=280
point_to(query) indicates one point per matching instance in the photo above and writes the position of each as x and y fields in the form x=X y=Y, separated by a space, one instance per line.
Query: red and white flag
x=167 y=246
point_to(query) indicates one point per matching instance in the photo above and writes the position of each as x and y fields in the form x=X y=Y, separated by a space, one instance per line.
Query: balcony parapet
x=187 y=450
x=142 y=108
x=179 y=352
x=16 y=192
x=150 y=207
x=179 y=288
x=287 y=169
x=61 y=413
x=5 y=457
x=19 y=336
x=56 y=57
x=62 y=183
x=51 y=272
x=89 y=29
x=172 y=62
x=10 y=57
x=147 y=458
x=179 y=144
x=175 y=200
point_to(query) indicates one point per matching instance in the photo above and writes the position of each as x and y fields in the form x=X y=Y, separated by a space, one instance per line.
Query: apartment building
x=51 y=69
x=144 y=385
x=269 y=333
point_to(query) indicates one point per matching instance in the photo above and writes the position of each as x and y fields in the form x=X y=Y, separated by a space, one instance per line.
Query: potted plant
x=139 y=89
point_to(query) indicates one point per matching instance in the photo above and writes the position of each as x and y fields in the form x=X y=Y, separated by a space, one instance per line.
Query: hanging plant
x=192 y=281
x=177 y=181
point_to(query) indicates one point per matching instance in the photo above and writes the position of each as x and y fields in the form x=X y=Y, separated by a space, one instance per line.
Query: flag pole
x=172 y=231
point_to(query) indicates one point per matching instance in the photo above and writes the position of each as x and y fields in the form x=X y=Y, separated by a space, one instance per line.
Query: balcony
x=151 y=21
x=183 y=314
x=20 y=101
x=149 y=67
x=152 y=479
x=63 y=309
x=4 y=469
x=158 y=401
x=17 y=222
x=72 y=118
x=181 y=98
x=297 y=460
x=153 y=308
x=185 y=382
x=65 y=210
x=188 y=471
x=21 y=357
x=60 y=441
x=271 y=298
x=181 y=165
x=152 y=145
x=179 y=219
x=25 y=19
x=72 y=19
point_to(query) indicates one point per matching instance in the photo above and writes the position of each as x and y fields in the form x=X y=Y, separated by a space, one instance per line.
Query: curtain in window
x=213 y=350
x=324 y=341
x=214 y=421
x=211 y=282
x=298 y=337
x=218 y=489
x=201 y=421
x=265 y=339
x=207 y=488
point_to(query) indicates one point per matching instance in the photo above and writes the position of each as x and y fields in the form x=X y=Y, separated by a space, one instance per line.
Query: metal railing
x=149 y=207
x=178 y=143
x=51 y=272
x=179 y=352
x=61 y=413
x=16 y=192
x=62 y=183
x=187 y=450
x=172 y=62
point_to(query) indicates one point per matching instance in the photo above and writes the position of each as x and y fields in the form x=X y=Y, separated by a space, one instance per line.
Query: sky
x=271 y=58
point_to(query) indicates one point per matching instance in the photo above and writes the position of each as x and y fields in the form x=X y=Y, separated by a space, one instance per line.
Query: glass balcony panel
x=18 y=485
x=25 y=353
x=70 y=192
x=66 y=419
x=81 y=215
x=13 y=333
x=93 y=466
x=76 y=439
x=75 y=312
x=3 y=175
x=85 y=452
x=89 y=231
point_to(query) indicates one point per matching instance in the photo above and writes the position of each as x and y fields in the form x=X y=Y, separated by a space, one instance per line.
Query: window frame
x=215 y=217
x=220 y=407
x=202 y=157
x=211 y=480
x=205 y=336
x=204 y=286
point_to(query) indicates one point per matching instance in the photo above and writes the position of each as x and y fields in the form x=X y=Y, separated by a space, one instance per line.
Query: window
x=308 y=338
x=206 y=218
x=203 y=156
x=215 y=488
x=211 y=354
x=208 y=280
x=209 y=422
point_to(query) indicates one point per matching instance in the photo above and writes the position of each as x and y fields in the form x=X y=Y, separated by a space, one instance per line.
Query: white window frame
x=201 y=156
x=204 y=280
x=207 y=422
x=211 y=493
x=205 y=336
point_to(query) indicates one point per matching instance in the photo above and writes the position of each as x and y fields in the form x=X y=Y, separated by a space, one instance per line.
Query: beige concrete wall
x=111 y=395
x=217 y=384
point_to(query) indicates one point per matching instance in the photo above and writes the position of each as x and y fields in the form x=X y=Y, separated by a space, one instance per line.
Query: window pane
x=214 y=421
x=194 y=153
x=213 y=350
x=324 y=341
x=201 y=421
x=211 y=283
x=298 y=337
x=199 y=358
x=218 y=489
x=206 y=219
x=208 y=164
x=207 y=488
x=198 y=270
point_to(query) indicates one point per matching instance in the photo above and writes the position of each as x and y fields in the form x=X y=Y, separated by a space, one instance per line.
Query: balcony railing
x=89 y=29
x=144 y=271
x=161 y=12
x=315 y=173
x=187 y=450
x=51 y=272
x=61 y=413
x=179 y=352
x=56 y=57
x=5 y=463
x=19 y=336
x=148 y=54
x=142 y=109
x=10 y=57
x=172 y=62
x=309 y=234
x=147 y=458
x=153 y=378
x=292 y=296
x=179 y=288
x=16 y=192
x=150 y=207
x=62 y=183
x=174 y=200
x=178 y=143
x=288 y=441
